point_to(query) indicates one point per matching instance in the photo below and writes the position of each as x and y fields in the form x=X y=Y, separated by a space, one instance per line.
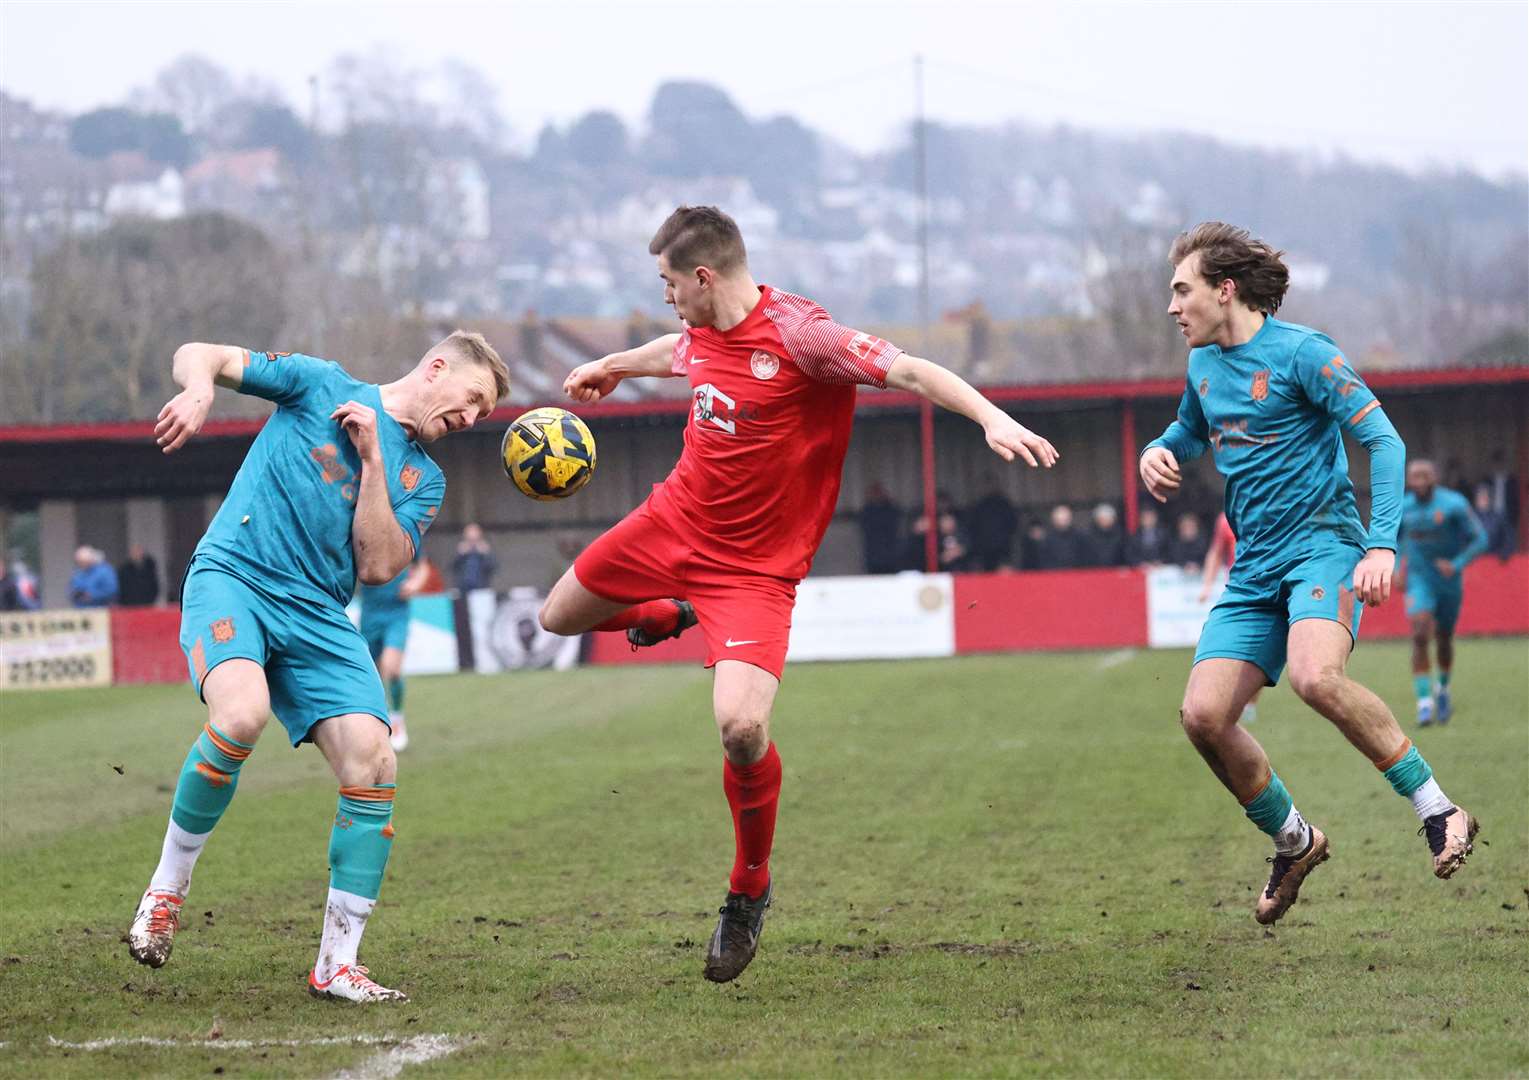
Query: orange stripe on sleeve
x=1362 y=413
x=1394 y=758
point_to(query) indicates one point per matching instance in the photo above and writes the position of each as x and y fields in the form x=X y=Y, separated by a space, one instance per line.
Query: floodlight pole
x=925 y=408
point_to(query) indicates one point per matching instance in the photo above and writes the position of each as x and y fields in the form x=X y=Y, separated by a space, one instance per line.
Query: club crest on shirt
x=764 y=364
x=1204 y=387
x=1317 y=592
x=1260 y=385
x=408 y=476
x=1438 y=517
x=223 y=631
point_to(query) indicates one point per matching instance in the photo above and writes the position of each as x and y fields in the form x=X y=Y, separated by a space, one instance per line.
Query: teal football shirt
x=285 y=525
x=381 y=603
x=1273 y=411
x=1444 y=527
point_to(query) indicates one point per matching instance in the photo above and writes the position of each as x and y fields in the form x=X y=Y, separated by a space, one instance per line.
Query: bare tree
x=191 y=88
x=1129 y=291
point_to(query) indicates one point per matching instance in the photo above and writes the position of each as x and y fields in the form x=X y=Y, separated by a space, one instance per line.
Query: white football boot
x=351 y=983
x=398 y=734
x=152 y=934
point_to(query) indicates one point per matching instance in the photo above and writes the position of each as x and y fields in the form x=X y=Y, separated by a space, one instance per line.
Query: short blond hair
x=473 y=348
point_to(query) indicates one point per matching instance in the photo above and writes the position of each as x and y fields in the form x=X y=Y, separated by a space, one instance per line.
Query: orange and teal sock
x=208 y=779
x=359 y=846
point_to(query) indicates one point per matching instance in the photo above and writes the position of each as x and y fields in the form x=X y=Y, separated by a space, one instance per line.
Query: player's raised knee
x=368 y=762
x=1203 y=719
x=1317 y=686
x=744 y=737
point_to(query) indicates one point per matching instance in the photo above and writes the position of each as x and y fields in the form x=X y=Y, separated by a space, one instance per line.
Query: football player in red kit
x=723 y=541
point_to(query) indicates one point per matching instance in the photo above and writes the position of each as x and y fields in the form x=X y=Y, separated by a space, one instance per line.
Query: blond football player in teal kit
x=336 y=487
x=1272 y=401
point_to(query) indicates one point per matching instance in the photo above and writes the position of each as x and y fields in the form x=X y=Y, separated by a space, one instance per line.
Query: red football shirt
x=773 y=400
x=1226 y=541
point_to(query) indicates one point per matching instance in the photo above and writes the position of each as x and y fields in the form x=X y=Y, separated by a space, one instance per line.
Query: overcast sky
x=1416 y=84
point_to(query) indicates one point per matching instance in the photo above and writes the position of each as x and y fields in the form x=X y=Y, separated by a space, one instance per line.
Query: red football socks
x=753 y=792
x=657 y=617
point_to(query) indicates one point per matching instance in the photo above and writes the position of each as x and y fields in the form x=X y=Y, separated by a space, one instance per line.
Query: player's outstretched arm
x=197 y=368
x=1007 y=436
x=598 y=378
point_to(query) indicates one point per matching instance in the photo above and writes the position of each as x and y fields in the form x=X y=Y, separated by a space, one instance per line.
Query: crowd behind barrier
x=910 y=614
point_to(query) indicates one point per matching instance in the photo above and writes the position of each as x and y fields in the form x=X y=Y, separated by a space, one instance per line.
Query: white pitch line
x=237 y=1044
x=1115 y=659
x=390 y=1063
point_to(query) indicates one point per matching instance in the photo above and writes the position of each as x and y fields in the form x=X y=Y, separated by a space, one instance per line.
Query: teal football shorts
x=1253 y=623
x=316 y=663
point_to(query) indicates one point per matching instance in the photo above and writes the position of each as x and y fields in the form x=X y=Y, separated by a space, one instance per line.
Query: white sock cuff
x=352 y=903
x=1430 y=799
x=1293 y=834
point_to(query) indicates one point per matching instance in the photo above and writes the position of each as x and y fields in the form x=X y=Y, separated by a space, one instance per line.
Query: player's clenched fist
x=1160 y=472
x=1008 y=437
x=360 y=423
x=1372 y=577
x=591 y=381
x=182 y=417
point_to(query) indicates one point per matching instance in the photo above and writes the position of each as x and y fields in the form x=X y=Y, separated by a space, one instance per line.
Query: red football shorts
x=744 y=616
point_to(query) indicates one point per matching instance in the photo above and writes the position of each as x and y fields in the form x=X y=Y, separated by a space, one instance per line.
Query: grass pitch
x=1004 y=865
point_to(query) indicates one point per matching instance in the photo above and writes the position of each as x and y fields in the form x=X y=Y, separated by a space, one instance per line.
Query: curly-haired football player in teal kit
x=1272 y=400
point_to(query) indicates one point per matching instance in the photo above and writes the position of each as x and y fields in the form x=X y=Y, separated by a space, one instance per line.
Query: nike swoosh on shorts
x=730 y=643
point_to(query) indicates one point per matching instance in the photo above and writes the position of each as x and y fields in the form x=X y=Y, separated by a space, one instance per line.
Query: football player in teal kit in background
x=1440 y=537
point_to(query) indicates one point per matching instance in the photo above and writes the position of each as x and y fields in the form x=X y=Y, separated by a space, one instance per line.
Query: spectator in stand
x=881 y=531
x=1149 y=545
x=1500 y=538
x=1104 y=542
x=1030 y=548
x=94 y=582
x=10 y=591
x=475 y=564
x=1189 y=544
x=1503 y=486
x=913 y=543
x=991 y=524
x=953 y=548
x=138 y=579
x=431 y=580
x=1062 y=548
x=18 y=586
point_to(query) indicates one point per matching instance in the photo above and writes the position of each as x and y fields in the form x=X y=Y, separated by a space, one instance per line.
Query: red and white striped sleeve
x=826 y=351
x=679 y=362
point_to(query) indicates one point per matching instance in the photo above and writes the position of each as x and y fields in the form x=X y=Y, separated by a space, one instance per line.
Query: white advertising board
x=53 y=649
x=886 y=616
x=1175 y=612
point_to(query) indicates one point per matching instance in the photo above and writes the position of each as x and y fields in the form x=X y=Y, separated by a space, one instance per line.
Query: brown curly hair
x=1229 y=251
